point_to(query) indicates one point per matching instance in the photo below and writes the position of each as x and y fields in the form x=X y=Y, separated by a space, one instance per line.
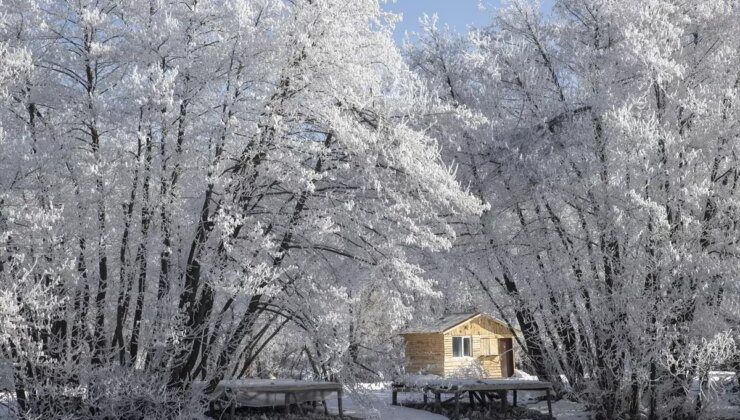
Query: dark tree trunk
x=141 y=254
x=124 y=279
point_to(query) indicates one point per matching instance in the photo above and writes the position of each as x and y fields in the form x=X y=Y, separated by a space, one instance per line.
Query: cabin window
x=461 y=347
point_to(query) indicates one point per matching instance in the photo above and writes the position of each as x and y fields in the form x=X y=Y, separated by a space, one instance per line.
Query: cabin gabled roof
x=443 y=324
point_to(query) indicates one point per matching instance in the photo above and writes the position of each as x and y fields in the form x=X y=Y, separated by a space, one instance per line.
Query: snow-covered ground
x=561 y=409
x=373 y=401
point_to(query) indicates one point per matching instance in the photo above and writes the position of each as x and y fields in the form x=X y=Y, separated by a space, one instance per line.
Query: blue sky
x=456 y=13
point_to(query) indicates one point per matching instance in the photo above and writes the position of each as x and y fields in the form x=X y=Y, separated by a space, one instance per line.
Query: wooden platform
x=272 y=393
x=478 y=390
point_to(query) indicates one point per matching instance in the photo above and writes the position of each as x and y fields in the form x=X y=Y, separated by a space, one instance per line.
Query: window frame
x=463 y=338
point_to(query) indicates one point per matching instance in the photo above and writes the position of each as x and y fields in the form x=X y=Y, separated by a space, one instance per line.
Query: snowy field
x=373 y=401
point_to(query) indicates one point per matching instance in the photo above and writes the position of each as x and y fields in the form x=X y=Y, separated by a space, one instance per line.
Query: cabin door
x=506 y=354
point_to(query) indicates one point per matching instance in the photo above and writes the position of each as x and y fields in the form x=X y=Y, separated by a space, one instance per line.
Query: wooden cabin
x=456 y=341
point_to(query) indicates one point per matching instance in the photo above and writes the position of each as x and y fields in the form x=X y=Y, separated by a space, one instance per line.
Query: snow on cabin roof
x=447 y=322
x=441 y=324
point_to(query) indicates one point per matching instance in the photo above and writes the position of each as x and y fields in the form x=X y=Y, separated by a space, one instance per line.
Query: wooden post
x=438 y=399
x=232 y=402
x=514 y=398
x=394 y=396
x=326 y=408
x=549 y=403
x=472 y=399
x=457 y=405
x=426 y=398
x=502 y=394
x=339 y=402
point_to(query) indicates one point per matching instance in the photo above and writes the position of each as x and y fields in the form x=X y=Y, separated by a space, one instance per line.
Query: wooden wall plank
x=425 y=354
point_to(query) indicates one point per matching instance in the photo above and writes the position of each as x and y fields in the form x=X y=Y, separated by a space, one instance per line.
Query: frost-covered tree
x=180 y=182
x=610 y=164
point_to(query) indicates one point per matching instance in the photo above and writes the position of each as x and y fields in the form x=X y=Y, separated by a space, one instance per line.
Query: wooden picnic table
x=479 y=390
